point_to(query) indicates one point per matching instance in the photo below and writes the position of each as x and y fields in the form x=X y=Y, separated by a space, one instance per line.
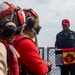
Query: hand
x=49 y=64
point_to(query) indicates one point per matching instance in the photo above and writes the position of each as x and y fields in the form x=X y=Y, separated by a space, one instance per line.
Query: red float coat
x=11 y=59
x=30 y=56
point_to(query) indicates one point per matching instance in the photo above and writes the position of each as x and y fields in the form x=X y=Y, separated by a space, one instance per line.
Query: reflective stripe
x=24 y=16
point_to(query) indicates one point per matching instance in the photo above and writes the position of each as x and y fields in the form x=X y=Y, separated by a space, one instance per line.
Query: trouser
x=66 y=69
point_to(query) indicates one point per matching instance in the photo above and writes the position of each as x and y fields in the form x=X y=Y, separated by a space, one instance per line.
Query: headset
x=8 y=31
x=30 y=22
x=14 y=12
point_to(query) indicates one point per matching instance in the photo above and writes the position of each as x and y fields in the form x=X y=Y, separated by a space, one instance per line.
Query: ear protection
x=30 y=22
x=8 y=31
x=30 y=16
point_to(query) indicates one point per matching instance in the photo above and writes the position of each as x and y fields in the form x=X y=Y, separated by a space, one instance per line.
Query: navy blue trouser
x=65 y=70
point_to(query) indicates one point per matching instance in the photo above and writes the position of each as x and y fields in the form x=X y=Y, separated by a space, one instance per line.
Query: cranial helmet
x=15 y=13
x=10 y=12
x=33 y=18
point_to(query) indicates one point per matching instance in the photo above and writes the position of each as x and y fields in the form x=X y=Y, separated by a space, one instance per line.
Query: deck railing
x=49 y=55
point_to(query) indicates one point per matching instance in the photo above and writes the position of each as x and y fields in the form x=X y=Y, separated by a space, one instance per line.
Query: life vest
x=11 y=60
x=23 y=69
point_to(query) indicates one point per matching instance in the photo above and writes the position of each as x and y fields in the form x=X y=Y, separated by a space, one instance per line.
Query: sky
x=51 y=13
